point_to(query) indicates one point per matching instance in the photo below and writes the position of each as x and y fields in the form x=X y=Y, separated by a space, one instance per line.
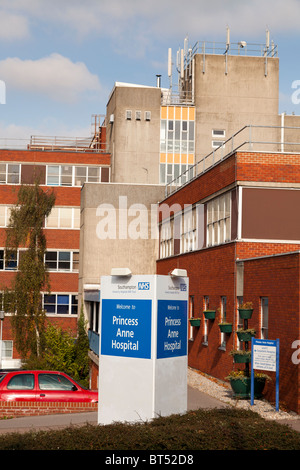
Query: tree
x=63 y=352
x=25 y=230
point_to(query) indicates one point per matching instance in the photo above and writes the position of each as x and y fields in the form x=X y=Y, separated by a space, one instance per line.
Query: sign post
x=265 y=356
x=143 y=347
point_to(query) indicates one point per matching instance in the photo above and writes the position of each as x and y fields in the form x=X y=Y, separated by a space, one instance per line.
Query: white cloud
x=134 y=25
x=54 y=76
x=113 y=18
x=13 y=26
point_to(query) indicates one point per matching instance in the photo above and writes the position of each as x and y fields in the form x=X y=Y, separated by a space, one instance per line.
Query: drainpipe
x=282 y=132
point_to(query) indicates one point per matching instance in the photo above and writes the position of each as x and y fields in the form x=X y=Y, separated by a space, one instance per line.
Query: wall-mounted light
x=120 y=272
x=178 y=273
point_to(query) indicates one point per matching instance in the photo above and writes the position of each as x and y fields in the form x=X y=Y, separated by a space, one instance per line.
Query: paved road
x=196 y=399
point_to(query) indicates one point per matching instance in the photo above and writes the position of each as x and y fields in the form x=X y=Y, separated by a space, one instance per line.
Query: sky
x=60 y=59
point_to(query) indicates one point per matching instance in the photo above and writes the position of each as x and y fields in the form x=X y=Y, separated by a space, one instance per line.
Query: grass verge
x=217 y=429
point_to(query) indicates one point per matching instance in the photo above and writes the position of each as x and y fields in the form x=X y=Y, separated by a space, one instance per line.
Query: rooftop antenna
x=267 y=39
x=227 y=39
x=170 y=66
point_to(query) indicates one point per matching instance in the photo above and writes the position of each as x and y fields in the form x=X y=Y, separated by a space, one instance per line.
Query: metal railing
x=240 y=48
x=174 y=97
x=250 y=138
x=49 y=143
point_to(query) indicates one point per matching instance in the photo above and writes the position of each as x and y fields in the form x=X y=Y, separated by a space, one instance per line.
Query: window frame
x=72 y=304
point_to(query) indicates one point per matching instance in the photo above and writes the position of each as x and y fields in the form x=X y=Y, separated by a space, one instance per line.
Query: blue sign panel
x=171 y=328
x=126 y=328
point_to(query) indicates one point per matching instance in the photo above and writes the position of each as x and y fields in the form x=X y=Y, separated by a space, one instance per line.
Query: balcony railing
x=277 y=139
x=94 y=341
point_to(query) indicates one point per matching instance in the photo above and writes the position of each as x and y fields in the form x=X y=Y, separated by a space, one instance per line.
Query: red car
x=41 y=385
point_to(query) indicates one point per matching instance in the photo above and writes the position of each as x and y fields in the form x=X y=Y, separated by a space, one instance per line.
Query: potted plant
x=210 y=314
x=225 y=327
x=241 y=383
x=241 y=356
x=245 y=335
x=195 y=321
x=246 y=310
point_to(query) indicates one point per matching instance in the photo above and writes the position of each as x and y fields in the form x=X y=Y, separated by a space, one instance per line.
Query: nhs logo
x=143 y=285
x=183 y=287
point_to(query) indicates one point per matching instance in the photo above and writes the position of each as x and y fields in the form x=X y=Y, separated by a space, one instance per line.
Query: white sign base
x=143 y=348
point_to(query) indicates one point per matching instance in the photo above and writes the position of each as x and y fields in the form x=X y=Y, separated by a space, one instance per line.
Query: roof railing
x=251 y=138
x=49 y=143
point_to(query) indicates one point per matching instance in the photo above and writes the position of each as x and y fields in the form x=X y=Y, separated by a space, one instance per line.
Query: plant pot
x=195 y=321
x=241 y=387
x=245 y=313
x=225 y=327
x=244 y=336
x=210 y=314
x=241 y=358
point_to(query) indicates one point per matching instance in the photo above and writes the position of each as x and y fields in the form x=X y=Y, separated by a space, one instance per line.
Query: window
x=11 y=261
x=10 y=173
x=219 y=220
x=53 y=175
x=177 y=140
x=189 y=234
x=93 y=174
x=21 y=382
x=191 y=314
x=68 y=175
x=217 y=143
x=147 y=115
x=138 y=115
x=1 y=259
x=54 y=382
x=223 y=318
x=63 y=218
x=7 y=349
x=264 y=317
x=62 y=260
x=206 y=307
x=166 y=239
x=61 y=304
x=4 y=215
x=128 y=115
x=80 y=175
x=219 y=133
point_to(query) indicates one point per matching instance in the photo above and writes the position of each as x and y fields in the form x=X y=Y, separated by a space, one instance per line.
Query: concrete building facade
x=62 y=167
x=228 y=163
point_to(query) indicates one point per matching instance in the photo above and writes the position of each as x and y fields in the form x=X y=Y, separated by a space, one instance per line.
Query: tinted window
x=21 y=382
x=54 y=382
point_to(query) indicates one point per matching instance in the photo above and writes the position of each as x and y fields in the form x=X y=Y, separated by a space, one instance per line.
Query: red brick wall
x=94 y=372
x=23 y=409
x=49 y=157
x=278 y=279
x=246 y=250
x=268 y=167
x=211 y=273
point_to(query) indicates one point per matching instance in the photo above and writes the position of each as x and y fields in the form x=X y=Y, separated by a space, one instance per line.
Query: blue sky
x=59 y=59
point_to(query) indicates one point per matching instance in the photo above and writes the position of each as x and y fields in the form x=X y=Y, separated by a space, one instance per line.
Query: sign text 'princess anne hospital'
x=143 y=347
x=127 y=324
